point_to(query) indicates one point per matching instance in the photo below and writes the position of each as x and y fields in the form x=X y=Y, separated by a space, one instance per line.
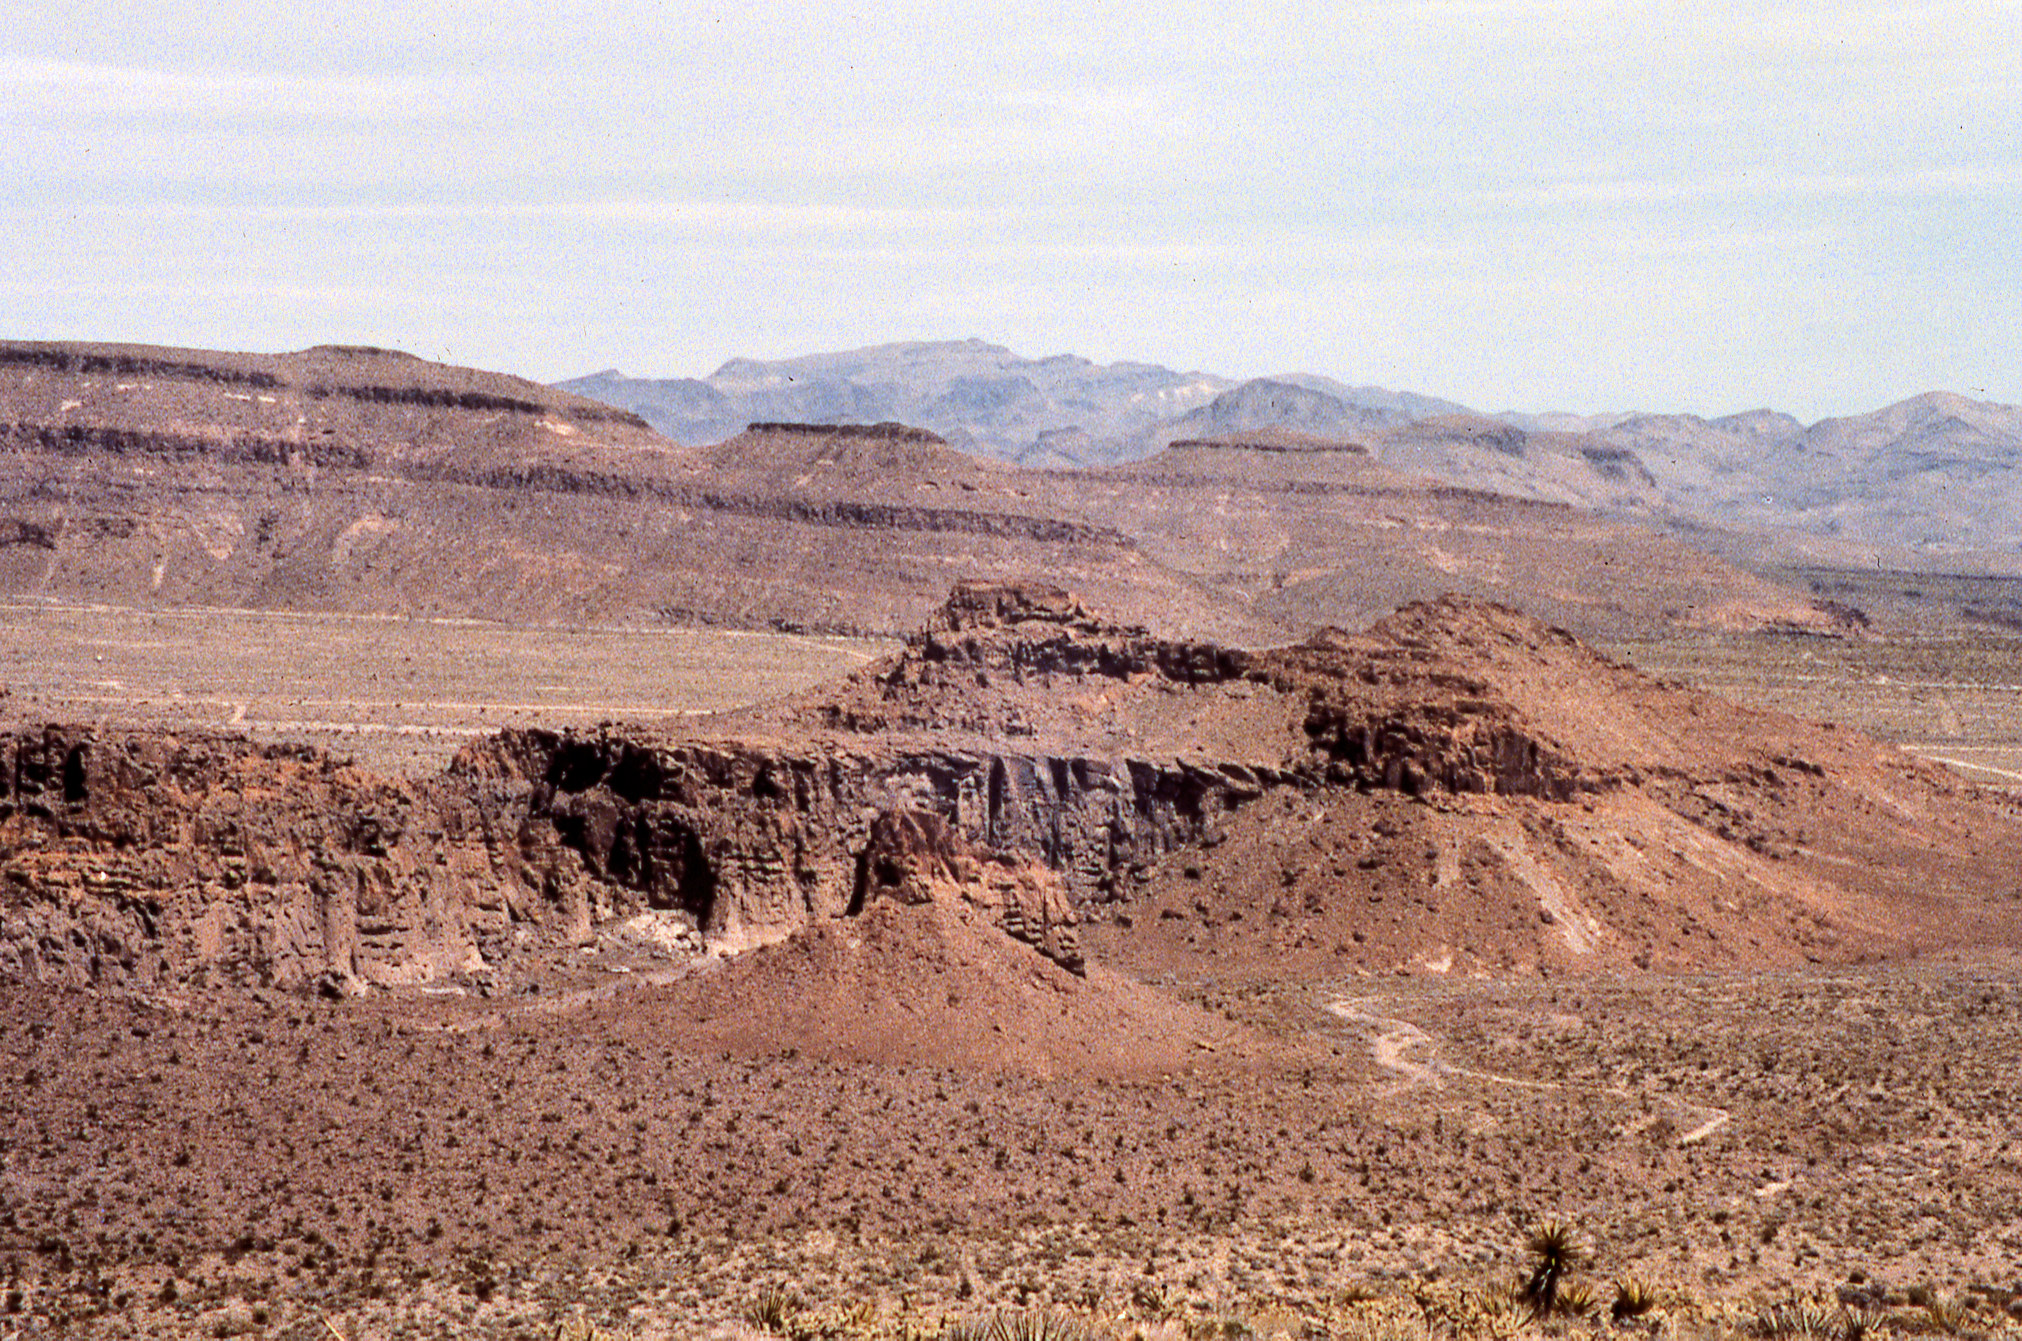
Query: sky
x=1576 y=205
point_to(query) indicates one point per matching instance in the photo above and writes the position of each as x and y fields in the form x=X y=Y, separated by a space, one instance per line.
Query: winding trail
x=1403 y=1048
x=1393 y=1041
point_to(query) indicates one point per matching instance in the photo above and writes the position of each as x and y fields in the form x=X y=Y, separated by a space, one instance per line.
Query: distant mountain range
x=981 y=397
x=1935 y=474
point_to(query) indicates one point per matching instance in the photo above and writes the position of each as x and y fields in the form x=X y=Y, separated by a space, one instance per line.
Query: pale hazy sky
x=1574 y=205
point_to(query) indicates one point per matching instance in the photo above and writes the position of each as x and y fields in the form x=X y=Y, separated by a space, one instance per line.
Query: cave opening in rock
x=695 y=890
x=861 y=890
x=73 y=776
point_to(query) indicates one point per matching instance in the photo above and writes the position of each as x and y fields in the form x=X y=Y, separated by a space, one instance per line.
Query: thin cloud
x=1983 y=179
x=131 y=89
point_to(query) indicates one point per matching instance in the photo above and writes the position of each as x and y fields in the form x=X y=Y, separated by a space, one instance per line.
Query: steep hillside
x=1318 y=532
x=1461 y=449
x=332 y=406
x=373 y=482
x=336 y=478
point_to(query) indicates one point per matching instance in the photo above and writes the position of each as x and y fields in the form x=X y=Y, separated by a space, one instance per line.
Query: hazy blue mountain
x=979 y=396
x=1404 y=405
x=1937 y=473
x=1268 y=402
x=684 y=408
x=984 y=398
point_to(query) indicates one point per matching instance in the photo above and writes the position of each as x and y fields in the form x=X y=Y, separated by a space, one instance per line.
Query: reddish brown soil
x=413 y=1164
x=903 y=985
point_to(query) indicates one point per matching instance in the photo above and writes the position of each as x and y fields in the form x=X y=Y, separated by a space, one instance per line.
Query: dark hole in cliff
x=576 y=766
x=73 y=776
x=861 y=890
x=695 y=888
x=636 y=777
x=999 y=785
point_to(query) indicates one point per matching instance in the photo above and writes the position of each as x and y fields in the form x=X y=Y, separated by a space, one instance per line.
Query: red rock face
x=153 y=860
x=917 y=857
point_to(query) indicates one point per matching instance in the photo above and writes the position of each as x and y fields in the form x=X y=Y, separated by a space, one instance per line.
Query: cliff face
x=147 y=860
x=152 y=860
x=753 y=842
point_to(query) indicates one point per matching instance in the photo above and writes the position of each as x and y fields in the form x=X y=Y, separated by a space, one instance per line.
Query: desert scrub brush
x=1800 y=1320
x=1034 y=1325
x=774 y=1310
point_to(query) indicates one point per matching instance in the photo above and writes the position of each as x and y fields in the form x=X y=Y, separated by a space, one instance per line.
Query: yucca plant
x=1033 y=1325
x=773 y=1311
x=1632 y=1299
x=1945 y=1315
x=1555 y=1251
x=1801 y=1320
x=1575 y=1300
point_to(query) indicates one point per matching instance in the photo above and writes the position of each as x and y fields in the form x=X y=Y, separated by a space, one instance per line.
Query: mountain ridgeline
x=1934 y=475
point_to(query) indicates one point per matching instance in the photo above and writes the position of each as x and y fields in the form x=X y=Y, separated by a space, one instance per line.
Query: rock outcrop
x=916 y=857
x=153 y=860
x=1458 y=769
x=756 y=841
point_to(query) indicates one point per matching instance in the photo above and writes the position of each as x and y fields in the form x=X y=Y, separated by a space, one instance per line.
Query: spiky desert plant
x=1031 y=1325
x=1944 y=1315
x=1576 y=1300
x=1450 y=1310
x=1862 y=1321
x=1632 y=1299
x=773 y=1311
x=1555 y=1251
x=1799 y=1320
